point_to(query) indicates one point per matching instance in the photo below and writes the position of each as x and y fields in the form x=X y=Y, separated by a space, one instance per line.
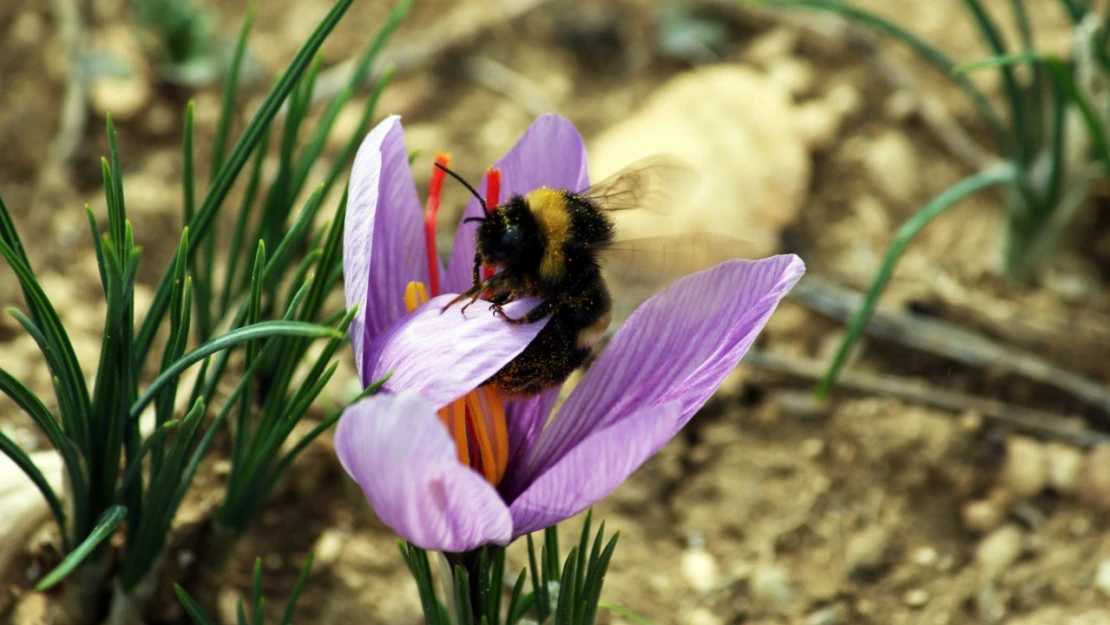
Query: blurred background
x=955 y=475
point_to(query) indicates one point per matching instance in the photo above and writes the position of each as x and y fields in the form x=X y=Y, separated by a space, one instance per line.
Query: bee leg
x=475 y=292
x=541 y=310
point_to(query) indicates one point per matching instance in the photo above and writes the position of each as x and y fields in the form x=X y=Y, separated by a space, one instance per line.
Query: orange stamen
x=435 y=192
x=477 y=419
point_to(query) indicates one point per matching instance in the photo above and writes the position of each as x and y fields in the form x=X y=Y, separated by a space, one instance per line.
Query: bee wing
x=636 y=269
x=657 y=183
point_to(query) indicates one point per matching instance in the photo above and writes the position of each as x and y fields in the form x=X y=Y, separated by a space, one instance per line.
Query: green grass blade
x=25 y=464
x=464 y=610
x=291 y=604
x=1004 y=174
x=239 y=233
x=192 y=608
x=231 y=89
x=626 y=613
x=105 y=526
x=517 y=606
x=230 y=339
x=223 y=181
x=933 y=55
x=135 y=467
x=1018 y=121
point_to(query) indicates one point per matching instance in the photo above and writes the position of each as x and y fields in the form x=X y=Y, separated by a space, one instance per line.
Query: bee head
x=508 y=237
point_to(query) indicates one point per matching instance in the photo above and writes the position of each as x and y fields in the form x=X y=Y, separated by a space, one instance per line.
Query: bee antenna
x=466 y=184
x=470 y=219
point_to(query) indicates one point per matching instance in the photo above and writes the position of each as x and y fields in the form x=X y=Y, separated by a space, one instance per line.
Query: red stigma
x=435 y=192
x=493 y=198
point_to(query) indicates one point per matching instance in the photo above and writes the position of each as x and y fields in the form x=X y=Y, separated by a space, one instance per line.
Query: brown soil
x=762 y=512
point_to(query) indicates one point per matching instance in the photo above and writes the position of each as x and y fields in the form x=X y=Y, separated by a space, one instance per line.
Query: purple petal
x=678 y=346
x=550 y=153
x=383 y=238
x=443 y=355
x=526 y=417
x=594 y=468
x=402 y=456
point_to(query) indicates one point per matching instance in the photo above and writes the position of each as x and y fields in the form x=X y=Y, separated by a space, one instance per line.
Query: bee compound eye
x=510 y=240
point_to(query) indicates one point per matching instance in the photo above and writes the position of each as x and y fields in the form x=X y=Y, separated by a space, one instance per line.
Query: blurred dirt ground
x=867 y=509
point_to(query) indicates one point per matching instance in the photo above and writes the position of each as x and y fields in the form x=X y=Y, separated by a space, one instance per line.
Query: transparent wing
x=636 y=269
x=657 y=183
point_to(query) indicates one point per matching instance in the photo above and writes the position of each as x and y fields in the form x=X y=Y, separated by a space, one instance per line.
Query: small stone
x=983 y=515
x=991 y=607
x=32 y=609
x=1102 y=577
x=813 y=447
x=900 y=105
x=1025 y=471
x=700 y=569
x=792 y=74
x=222 y=467
x=702 y=616
x=771 y=589
x=844 y=99
x=124 y=98
x=916 y=598
x=1094 y=480
x=273 y=561
x=818 y=124
x=26 y=29
x=925 y=556
x=829 y=615
x=867 y=550
x=999 y=550
x=891 y=163
x=771 y=45
x=1065 y=464
x=329 y=546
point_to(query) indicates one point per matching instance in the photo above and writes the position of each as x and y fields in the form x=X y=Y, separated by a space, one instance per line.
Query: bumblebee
x=551 y=244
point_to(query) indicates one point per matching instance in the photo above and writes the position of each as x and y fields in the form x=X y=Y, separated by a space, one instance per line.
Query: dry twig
x=1028 y=420
x=950 y=341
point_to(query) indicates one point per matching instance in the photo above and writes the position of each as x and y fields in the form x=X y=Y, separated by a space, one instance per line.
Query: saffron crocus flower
x=451 y=465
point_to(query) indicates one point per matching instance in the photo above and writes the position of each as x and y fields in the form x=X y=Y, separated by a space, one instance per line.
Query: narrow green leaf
x=231 y=89
x=517 y=607
x=188 y=178
x=465 y=611
x=105 y=526
x=25 y=464
x=223 y=181
x=192 y=608
x=989 y=31
x=291 y=604
x=626 y=613
x=135 y=467
x=256 y=593
x=232 y=338
x=999 y=175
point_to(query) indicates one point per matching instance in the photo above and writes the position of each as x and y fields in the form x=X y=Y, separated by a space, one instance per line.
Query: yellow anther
x=416 y=294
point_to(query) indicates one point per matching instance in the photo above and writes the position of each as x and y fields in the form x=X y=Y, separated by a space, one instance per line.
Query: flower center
x=476 y=421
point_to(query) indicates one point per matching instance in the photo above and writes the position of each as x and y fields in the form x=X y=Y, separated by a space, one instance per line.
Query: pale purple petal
x=383 y=238
x=594 y=468
x=526 y=417
x=550 y=153
x=678 y=346
x=402 y=456
x=441 y=355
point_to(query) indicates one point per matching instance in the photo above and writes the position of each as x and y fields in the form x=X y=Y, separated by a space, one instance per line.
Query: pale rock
x=1094 y=481
x=1065 y=464
x=1102 y=577
x=159 y=119
x=1025 y=470
x=926 y=556
x=891 y=162
x=24 y=508
x=829 y=615
x=818 y=124
x=991 y=606
x=699 y=569
x=916 y=598
x=771 y=589
x=702 y=616
x=26 y=29
x=813 y=447
x=900 y=105
x=792 y=74
x=867 y=550
x=771 y=45
x=844 y=99
x=32 y=609
x=983 y=515
x=999 y=550
x=736 y=129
